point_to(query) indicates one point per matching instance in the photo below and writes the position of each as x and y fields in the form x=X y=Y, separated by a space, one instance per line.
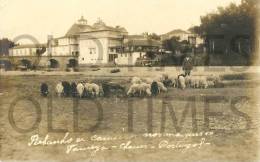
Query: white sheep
x=195 y=82
x=198 y=82
x=203 y=83
x=161 y=87
x=174 y=81
x=96 y=89
x=140 y=89
x=59 y=89
x=188 y=81
x=136 y=80
x=134 y=88
x=216 y=80
x=80 y=89
x=159 y=78
x=181 y=81
x=93 y=89
x=148 y=80
x=211 y=84
x=145 y=88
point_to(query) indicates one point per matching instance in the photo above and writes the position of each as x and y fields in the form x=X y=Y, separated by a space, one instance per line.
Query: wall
x=93 y=51
x=129 y=58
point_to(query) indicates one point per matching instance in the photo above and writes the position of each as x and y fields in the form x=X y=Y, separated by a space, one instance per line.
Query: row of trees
x=230 y=29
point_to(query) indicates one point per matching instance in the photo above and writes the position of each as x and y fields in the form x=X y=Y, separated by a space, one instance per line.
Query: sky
x=40 y=18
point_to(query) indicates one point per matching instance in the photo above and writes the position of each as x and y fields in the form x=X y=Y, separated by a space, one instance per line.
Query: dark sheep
x=44 y=90
x=167 y=82
x=67 y=88
x=154 y=89
x=106 y=89
x=74 y=92
x=112 y=88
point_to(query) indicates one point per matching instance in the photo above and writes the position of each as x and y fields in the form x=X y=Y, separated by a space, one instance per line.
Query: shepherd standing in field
x=187 y=65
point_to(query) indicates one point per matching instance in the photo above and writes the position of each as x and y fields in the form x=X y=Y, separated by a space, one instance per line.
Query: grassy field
x=231 y=141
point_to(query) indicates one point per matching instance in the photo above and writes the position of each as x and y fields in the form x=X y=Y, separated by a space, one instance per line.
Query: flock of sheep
x=138 y=86
x=161 y=83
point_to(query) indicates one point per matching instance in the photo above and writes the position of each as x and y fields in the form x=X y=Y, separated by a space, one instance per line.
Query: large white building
x=92 y=44
x=26 y=50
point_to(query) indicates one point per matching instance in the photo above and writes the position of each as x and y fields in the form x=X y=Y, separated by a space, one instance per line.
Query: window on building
x=82 y=59
x=92 y=50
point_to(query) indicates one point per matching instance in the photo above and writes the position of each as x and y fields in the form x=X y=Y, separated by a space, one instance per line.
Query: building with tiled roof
x=91 y=44
x=183 y=35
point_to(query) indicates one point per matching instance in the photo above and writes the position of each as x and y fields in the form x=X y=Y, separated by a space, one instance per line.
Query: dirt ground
x=235 y=138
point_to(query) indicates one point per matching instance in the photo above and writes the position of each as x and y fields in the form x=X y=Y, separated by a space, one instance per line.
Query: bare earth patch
x=232 y=139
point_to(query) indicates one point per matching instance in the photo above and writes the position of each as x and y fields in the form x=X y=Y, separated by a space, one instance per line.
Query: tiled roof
x=177 y=31
x=144 y=42
x=76 y=29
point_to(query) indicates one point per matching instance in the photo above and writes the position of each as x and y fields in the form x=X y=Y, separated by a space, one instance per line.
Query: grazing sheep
x=136 y=80
x=44 y=89
x=216 y=80
x=80 y=89
x=211 y=84
x=146 y=89
x=112 y=88
x=101 y=92
x=140 y=89
x=74 y=92
x=161 y=87
x=181 y=81
x=106 y=89
x=95 y=89
x=89 y=89
x=148 y=80
x=198 y=82
x=159 y=78
x=67 y=88
x=134 y=89
x=167 y=83
x=194 y=82
x=203 y=83
x=188 y=81
x=59 y=89
x=174 y=81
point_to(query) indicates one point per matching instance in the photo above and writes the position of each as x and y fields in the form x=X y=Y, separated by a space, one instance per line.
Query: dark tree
x=5 y=45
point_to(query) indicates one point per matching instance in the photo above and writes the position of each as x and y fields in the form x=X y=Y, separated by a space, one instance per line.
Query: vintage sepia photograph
x=129 y=81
